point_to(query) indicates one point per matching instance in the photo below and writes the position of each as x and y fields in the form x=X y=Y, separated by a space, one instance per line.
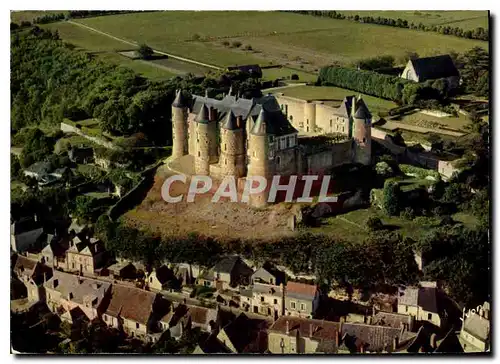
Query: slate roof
x=24 y=225
x=378 y=338
x=202 y=116
x=56 y=246
x=477 y=326
x=164 y=274
x=226 y=264
x=82 y=289
x=431 y=68
x=230 y=121
x=243 y=331
x=180 y=100
x=424 y=297
x=32 y=269
x=408 y=296
x=301 y=290
x=263 y=275
x=322 y=329
x=361 y=110
x=276 y=122
x=131 y=303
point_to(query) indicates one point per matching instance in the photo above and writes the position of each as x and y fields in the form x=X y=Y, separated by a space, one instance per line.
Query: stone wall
x=66 y=128
x=323 y=161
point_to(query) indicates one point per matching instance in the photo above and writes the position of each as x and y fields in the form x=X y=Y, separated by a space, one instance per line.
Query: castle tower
x=259 y=156
x=361 y=132
x=179 y=126
x=309 y=117
x=205 y=144
x=232 y=146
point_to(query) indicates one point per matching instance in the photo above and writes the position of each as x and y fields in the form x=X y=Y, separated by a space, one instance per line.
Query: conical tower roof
x=361 y=110
x=230 y=121
x=179 y=100
x=202 y=116
x=259 y=128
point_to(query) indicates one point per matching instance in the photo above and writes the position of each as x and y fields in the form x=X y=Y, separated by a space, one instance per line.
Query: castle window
x=307 y=129
x=199 y=154
x=307 y=121
x=225 y=161
x=225 y=146
x=291 y=118
x=364 y=140
x=254 y=153
x=330 y=123
x=278 y=160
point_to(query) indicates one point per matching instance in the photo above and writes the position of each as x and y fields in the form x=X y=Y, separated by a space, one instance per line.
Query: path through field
x=136 y=45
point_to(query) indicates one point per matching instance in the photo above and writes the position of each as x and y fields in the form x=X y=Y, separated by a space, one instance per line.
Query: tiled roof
x=301 y=290
x=408 y=296
x=391 y=319
x=24 y=264
x=321 y=329
x=131 y=303
x=377 y=338
x=202 y=315
x=82 y=290
x=164 y=274
x=226 y=264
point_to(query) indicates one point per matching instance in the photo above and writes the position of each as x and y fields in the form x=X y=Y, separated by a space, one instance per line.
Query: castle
x=257 y=137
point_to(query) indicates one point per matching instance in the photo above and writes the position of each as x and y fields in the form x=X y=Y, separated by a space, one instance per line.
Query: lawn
x=336 y=94
x=463 y=19
x=178 y=67
x=430 y=121
x=351 y=227
x=311 y=42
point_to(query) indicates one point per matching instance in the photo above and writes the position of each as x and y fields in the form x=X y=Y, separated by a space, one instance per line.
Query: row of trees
x=380 y=85
x=477 y=33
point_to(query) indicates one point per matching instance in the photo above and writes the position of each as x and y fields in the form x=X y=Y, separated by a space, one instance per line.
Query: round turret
x=362 y=132
x=179 y=126
x=232 y=156
x=310 y=117
x=205 y=133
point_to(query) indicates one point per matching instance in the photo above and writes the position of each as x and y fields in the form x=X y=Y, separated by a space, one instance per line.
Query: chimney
x=362 y=349
x=395 y=343
x=337 y=339
x=239 y=121
x=287 y=327
x=340 y=325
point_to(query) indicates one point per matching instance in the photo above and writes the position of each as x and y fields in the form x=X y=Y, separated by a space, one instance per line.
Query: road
x=136 y=45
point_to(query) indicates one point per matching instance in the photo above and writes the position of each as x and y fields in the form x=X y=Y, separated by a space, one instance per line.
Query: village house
x=162 y=279
x=297 y=335
x=301 y=299
x=475 y=333
x=66 y=291
x=420 y=302
x=229 y=272
x=264 y=299
x=54 y=253
x=32 y=274
x=211 y=345
x=122 y=270
x=432 y=68
x=187 y=317
x=85 y=255
x=135 y=311
x=244 y=335
x=25 y=234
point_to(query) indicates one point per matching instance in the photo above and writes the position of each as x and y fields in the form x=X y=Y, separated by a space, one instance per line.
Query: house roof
x=427 y=299
x=24 y=225
x=301 y=290
x=179 y=100
x=321 y=329
x=263 y=275
x=32 y=269
x=164 y=274
x=477 y=326
x=131 y=303
x=230 y=121
x=391 y=319
x=361 y=110
x=202 y=315
x=212 y=345
x=267 y=289
x=83 y=290
x=226 y=264
x=40 y=168
x=408 y=296
x=56 y=245
x=377 y=338
x=243 y=331
x=431 y=68
x=276 y=122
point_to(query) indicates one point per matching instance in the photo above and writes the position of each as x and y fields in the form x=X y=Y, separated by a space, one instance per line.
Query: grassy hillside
x=281 y=38
x=465 y=19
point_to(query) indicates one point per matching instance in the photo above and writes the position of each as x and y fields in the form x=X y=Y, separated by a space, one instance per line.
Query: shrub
x=145 y=51
x=408 y=213
x=196 y=36
x=225 y=43
x=295 y=77
x=236 y=44
x=383 y=169
x=374 y=223
x=391 y=198
x=248 y=47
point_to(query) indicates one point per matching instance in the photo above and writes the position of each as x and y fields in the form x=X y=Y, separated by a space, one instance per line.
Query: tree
x=374 y=223
x=145 y=51
x=391 y=197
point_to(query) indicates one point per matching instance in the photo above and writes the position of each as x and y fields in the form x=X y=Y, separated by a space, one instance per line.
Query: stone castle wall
x=323 y=161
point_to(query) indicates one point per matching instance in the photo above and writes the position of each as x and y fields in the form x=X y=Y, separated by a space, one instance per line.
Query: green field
x=468 y=20
x=336 y=94
x=286 y=73
x=312 y=43
x=29 y=15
